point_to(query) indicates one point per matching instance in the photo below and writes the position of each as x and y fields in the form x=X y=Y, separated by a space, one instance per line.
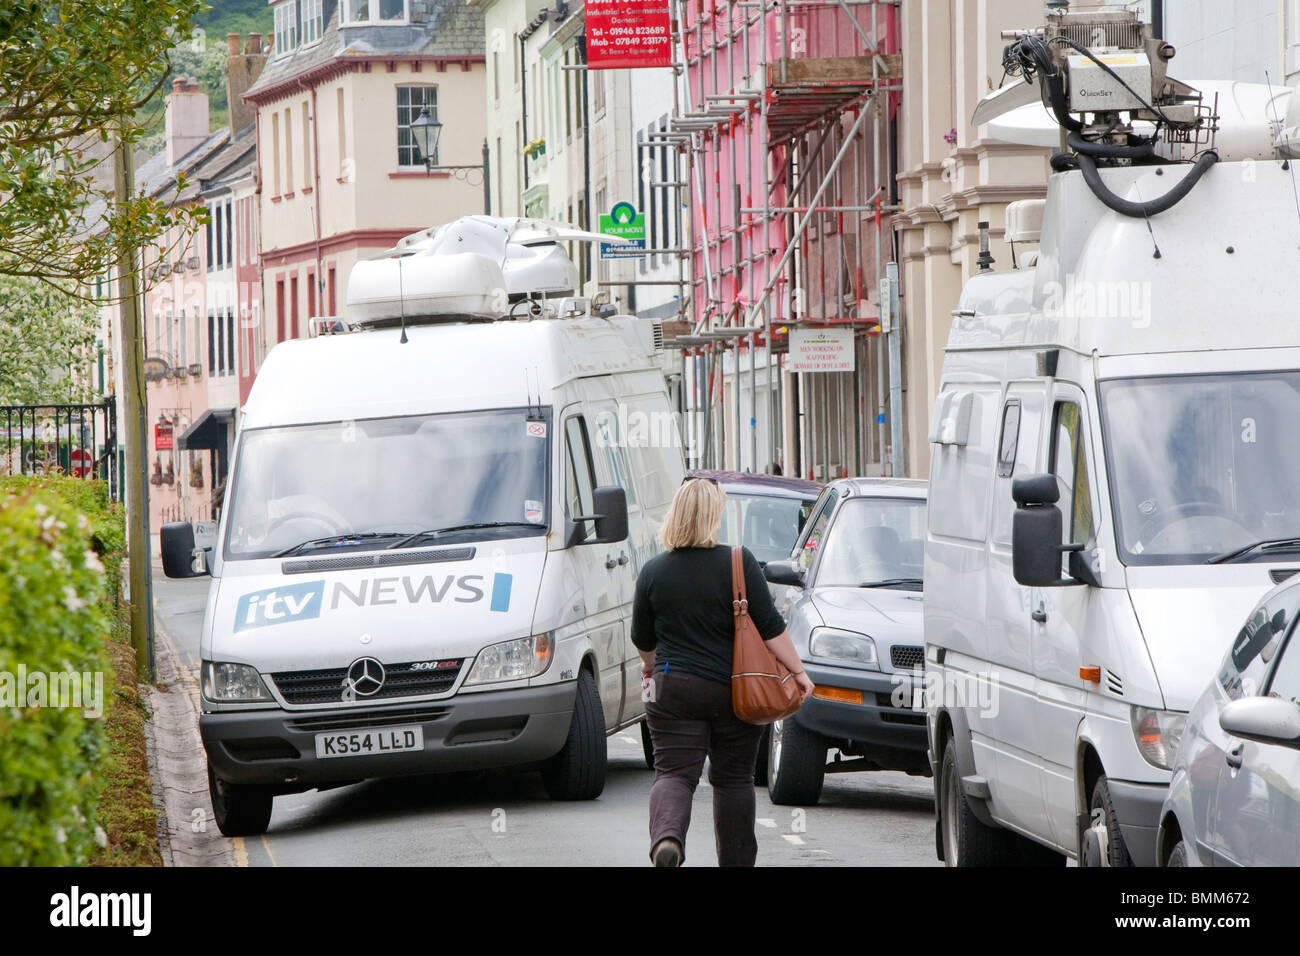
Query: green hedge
x=61 y=548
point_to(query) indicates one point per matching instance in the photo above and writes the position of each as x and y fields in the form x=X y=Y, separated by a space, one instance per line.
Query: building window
x=208 y=232
x=374 y=11
x=230 y=235
x=312 y=22
x=288 y=150
x=230 y=340
x=275 y=152
x=286 y=27
x=212 y=343
x=220 y=262
x=306 y=145
x=410 y=101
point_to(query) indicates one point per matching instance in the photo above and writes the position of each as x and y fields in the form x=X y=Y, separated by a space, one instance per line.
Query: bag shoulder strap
x=739 y=602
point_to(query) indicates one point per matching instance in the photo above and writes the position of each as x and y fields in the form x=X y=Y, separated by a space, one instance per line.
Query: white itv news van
x=431 y=534
x=1113 y=484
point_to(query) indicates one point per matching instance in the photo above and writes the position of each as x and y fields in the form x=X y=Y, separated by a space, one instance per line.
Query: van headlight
x=836 y=644
x=233 y=683
x=512 y=660
x=1158 y=733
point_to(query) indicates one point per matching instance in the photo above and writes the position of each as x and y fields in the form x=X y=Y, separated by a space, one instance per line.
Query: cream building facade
x=339 y=175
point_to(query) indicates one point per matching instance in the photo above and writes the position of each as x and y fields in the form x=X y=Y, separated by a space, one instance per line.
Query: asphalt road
x=506 y=819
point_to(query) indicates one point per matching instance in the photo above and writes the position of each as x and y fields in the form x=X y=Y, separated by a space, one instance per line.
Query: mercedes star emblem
x=366 y=677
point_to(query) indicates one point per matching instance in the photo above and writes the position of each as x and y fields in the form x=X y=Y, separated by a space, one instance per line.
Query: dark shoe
x=667 y=852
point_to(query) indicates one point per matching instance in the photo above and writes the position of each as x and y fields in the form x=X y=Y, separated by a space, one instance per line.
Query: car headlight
x=833 y=643
x=1158 y=733
x=232 y=683
x=512 y=660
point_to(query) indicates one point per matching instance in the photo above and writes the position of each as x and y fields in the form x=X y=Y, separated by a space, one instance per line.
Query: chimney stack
x=242 y=71
x=186 y=119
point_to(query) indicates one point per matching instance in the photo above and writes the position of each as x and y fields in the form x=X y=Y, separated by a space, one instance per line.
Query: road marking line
x=267 y=846
x=627 y=740
x=766 y=822
x=241 y=852
x=793 y=838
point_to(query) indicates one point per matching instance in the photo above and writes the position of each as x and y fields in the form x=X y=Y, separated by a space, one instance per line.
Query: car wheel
x=647 y=745
x=967 y=840
x=1178 y=856
x=1103 y=827
x=760 y=764
x=796 y=764
x=577 y=772
x=240 y=809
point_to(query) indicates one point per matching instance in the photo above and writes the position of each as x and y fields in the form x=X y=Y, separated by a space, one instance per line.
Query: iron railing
x=75 y=440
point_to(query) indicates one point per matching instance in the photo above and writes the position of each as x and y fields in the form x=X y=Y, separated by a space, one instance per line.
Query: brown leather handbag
x=762 y=689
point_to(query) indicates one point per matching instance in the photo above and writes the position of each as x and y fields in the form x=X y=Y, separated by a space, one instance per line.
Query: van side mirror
x=783 y=572
x=180 y=559
x=609 y=503
x=1036 y=531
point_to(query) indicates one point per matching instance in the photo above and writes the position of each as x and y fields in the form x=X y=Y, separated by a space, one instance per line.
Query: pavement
x=500 y=818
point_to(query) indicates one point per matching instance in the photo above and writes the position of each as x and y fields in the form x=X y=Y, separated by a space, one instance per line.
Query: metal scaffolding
x=785 y=195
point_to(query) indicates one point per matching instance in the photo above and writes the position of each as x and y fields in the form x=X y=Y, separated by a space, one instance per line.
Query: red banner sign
x=163 y=436
x=628 y=34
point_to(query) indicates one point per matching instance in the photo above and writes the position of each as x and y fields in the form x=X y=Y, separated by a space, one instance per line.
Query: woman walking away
x=683 y=625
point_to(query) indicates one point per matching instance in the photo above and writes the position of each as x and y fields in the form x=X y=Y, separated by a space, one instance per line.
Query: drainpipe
x=523 y=103
x=315 y=148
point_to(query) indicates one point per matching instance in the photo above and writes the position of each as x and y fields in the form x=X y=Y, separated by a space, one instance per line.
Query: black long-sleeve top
x=683 y=609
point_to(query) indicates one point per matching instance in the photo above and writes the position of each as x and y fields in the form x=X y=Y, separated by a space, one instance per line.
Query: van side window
x=1070 y=465
x=610 y=437
x=580 y=477
x=1010 y=439
x=816 y=531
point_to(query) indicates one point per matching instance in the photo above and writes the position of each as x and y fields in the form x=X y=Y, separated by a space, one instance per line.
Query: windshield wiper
x=1274 y=544
x=892 y=583
x=336 y=540
x=435 y=532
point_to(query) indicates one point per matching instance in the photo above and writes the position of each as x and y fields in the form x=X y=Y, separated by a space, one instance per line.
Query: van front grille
x=412 y=679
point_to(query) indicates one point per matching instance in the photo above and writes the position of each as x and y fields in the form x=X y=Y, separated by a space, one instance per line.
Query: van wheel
x=796 y=764
x=647 y=745
x=240 y=809
x=577 y=772
x=967 y=841
x=1178 y=856
x=760 y=765
x=1102 y=811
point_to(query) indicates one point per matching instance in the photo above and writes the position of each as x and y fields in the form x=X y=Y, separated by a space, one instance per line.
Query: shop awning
x=209 y=431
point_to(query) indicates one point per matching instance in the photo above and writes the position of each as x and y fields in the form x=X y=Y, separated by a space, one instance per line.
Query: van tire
x=577 y=772
x=240 y=809
x=796 y=764
x=760 y=765
x=647 y=745
x=967 y=841
x=1116 y=849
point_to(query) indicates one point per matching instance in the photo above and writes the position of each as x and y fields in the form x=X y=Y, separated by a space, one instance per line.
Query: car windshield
x=877 y=542
x=385 y=479
x=765 y=524
x=1203 y=466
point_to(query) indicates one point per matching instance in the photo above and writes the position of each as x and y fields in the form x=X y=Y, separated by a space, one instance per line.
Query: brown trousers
x=690 y=717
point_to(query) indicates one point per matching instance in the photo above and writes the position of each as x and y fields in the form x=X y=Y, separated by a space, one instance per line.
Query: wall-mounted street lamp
x=426 y=130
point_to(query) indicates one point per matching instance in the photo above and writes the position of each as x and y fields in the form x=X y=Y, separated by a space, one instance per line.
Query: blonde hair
x=695 y=516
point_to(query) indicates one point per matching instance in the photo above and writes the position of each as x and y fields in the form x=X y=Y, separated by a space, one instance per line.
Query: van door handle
x=622 y=557
x=610 y=563
x=1234 y=757
x=1040 y=614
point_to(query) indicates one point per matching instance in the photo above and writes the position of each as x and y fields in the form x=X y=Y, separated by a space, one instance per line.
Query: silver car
x=851 y=596
x=1234 y=799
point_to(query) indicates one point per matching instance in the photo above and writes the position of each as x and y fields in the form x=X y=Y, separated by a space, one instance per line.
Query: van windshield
x=375 y=482
x=1204 y=466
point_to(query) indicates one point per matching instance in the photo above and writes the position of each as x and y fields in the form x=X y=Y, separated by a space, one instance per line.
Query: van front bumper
x=466 y=732
x=893 y=737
